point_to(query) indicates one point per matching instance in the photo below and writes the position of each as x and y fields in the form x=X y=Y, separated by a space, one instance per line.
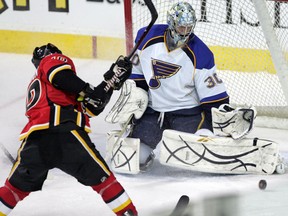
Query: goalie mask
x=40 y=52
x=181 y=20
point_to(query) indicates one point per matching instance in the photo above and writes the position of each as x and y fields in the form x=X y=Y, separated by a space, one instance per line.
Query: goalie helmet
x=181 y=20
x=40 y=52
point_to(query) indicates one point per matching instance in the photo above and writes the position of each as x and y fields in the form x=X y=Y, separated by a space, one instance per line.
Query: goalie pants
x=149 y=130
x=72 y=152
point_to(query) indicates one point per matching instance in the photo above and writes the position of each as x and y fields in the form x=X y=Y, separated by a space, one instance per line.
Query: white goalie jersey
x=180 y=79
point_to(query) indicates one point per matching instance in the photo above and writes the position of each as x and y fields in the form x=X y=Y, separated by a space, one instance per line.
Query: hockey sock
x=9 y=197
x=115 y=196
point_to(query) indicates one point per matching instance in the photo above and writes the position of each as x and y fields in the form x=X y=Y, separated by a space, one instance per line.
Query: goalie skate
x=218 y=154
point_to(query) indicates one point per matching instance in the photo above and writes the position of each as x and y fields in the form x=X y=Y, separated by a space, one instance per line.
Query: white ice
x=154 y=192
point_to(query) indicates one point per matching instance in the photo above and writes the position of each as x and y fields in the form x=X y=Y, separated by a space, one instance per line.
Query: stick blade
x=180 y=206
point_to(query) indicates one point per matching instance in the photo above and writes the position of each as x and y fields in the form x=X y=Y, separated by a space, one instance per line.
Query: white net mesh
x=232 y=30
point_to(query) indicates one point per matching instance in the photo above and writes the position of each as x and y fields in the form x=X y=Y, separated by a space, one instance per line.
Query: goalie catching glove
x=236 y=123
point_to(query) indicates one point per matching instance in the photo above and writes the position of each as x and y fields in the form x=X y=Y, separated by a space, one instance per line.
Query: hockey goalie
x=225 y=150
x=177 y=87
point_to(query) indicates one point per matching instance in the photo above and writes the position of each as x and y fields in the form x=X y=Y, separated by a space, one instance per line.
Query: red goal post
x=128 y=25
x=249 y=39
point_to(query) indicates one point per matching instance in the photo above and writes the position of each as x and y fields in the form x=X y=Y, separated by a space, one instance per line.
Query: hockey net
x=249 y=39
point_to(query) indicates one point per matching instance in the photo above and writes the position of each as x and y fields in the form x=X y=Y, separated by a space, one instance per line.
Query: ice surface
x=155 y=192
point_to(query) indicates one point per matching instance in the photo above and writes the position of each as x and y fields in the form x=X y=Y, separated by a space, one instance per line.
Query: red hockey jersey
x=47 y=106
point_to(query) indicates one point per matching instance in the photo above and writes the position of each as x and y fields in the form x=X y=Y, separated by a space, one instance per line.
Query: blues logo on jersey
x=162 y=70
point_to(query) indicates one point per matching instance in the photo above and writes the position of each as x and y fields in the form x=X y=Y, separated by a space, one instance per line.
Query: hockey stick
x=12 y=160
x=7 y=153
x=124 y=129
x=180 y=206
x=154 y=16
x=121 y=135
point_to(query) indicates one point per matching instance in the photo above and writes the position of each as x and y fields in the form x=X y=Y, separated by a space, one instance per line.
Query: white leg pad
x=218 y=154
x=123 y=155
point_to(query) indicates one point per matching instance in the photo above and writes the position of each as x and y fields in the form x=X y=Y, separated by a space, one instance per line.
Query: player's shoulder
x=55 y=59
x=198 y=46
x=157 y=31
x=55 y=62
x=203 y=54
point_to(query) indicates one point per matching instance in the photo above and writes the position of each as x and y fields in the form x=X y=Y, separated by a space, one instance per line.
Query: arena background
x=85 y=29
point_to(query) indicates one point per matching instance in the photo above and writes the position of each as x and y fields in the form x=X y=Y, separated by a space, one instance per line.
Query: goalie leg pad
x=218 y=154
x=123 y=155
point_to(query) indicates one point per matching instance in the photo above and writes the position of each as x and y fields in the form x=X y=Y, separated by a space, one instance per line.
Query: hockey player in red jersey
x=58 y=106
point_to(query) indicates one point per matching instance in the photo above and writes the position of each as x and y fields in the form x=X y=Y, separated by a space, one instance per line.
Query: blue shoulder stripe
x=203 y=55
x=136 y=77
x=155 y=32
x=214 y=98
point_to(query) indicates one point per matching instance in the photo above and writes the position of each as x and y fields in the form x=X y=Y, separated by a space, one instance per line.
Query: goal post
x=272 y=42
x=128 y=25
x=249 y=40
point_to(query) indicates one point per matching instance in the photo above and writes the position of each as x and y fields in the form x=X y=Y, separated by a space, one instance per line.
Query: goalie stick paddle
x=121 y=134
x=180 y=206
x=154 y=16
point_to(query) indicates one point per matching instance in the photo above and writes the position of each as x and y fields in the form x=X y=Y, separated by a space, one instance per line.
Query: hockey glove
x=132 y=101
x=97 y=96
x=236 y=123
x=118 y=73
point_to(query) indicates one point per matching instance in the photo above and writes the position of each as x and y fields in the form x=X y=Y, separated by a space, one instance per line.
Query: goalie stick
x=125 y=131
x=180 y=206
x=154 y=16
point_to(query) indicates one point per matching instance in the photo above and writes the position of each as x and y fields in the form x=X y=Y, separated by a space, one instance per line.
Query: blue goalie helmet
x=181 y=20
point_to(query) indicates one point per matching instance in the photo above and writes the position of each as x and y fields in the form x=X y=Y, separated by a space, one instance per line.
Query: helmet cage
x=181 y=20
